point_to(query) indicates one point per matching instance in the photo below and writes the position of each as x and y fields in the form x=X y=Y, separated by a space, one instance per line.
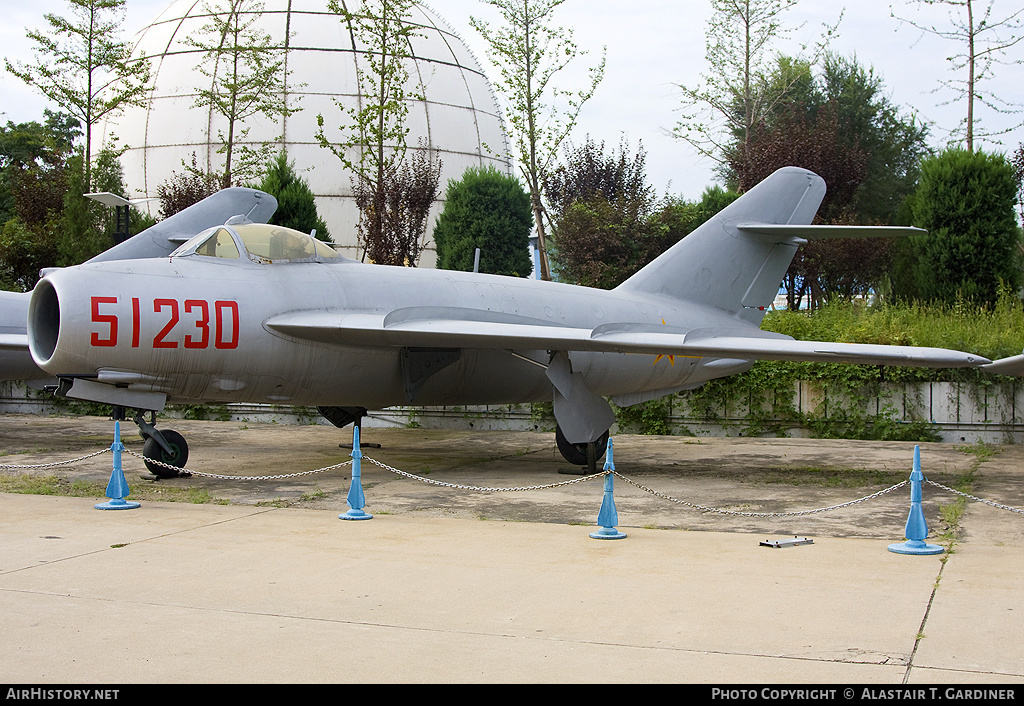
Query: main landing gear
x=587 y=455
x=341 y=417
x=166 y=446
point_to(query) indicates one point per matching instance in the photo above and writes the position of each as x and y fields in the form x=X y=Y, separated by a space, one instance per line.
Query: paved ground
x=450 y=585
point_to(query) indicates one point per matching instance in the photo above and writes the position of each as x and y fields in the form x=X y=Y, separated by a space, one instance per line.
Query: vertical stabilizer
x=720 y=265
x=163 y=238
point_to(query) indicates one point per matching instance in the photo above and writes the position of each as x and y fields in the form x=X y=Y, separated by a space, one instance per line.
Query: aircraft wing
x=1006 y=366
x=13 y=342
x=822 y=232
x=15 y=360
x=445 y=327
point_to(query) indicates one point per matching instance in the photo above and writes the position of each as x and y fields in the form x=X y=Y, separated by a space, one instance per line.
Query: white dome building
x=459 y=117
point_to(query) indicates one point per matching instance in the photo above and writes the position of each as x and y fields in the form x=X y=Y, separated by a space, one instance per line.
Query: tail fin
x=163 y=238
x=724 y=265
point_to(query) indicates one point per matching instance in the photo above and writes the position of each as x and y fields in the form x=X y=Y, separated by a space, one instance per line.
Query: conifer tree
x=486 y=209
x=296 y=205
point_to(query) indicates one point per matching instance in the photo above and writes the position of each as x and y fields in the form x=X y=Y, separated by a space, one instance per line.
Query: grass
x=994 y=331
x=951 y=514
x=28 y=484
x=831 y=477
x=277 y=502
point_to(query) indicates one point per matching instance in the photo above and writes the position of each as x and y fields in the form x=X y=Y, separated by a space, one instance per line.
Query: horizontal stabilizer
x=736 y=260
x=403 y=328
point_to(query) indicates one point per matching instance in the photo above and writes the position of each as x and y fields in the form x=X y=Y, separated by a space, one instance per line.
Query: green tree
x=836 y=114
x=81 y=66
x=47 y=221
x=249 y=79
x=738 y=92
x=108 y=175
x=296 y=206
x=966 y=202
x=528 y=53
x=34 y=165
x=182 y=189
x=840 y=125
x=35 y=148
x=55 y=226
x=33 y=159
x=23 y=252
x=894 y=143
x=608 y=223
x=78 y=228
x=394 y=194
x=490 y=210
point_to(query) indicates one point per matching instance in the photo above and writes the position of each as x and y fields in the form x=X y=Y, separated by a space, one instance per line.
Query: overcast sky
x=651 y=47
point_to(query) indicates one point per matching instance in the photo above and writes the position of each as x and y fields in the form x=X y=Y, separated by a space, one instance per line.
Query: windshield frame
x=247 y=238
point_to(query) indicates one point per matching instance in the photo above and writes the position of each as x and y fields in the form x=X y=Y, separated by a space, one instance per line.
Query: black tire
x=152 y=450
x=576 y=454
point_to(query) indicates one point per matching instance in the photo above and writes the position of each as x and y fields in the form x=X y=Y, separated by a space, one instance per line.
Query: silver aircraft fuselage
x=197 y=329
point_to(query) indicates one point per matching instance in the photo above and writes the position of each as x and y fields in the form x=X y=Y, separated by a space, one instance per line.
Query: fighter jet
x=157 y=241
x=247 y=312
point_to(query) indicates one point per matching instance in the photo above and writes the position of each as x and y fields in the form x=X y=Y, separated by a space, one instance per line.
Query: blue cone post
x=917 y=528
x=356 y=500
x=607 y=517
x=117 y=487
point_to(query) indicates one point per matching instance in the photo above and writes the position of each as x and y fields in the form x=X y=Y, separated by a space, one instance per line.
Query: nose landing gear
x=165 y=447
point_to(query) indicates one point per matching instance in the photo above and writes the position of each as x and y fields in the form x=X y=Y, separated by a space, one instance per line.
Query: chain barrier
x=224 y=477
x=986 y=502
x=795 y=513
x=582 y=479
x=55 y=463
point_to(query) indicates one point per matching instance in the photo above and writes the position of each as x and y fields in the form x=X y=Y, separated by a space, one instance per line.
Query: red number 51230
x=197 y=323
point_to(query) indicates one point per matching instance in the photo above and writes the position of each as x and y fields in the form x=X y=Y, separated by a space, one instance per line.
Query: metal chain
x=485 y=489
x=582 y=479
x=720 y=511
x=986 y=502
x=56 y=463
x=223 y=477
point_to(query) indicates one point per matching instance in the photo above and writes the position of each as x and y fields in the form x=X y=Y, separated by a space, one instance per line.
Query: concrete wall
x=957 y=412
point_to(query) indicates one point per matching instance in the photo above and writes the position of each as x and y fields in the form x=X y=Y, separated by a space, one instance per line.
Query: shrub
x=966 y=202
x=296 y=206
x=489 y=210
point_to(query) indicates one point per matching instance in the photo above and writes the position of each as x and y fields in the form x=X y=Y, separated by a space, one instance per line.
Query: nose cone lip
x=43 y=322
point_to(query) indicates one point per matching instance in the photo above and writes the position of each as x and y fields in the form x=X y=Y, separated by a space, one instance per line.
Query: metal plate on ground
x=783 y=543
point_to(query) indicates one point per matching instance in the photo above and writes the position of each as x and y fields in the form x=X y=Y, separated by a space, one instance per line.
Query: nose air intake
x=43 y=322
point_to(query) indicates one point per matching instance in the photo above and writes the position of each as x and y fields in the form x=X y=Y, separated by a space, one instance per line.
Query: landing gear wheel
x=179 y=456
x=576 y=454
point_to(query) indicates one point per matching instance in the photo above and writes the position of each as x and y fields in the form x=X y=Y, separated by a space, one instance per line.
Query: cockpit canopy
x=260 y=242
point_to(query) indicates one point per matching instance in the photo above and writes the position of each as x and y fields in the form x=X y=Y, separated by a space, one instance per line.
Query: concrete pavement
x=242 y=593
x=205 y=593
